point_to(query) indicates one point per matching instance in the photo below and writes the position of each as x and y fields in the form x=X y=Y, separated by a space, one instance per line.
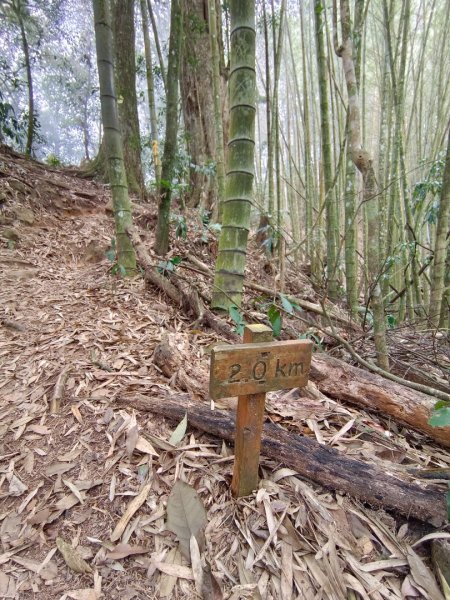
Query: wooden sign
x=248 y=371
x=262 y=367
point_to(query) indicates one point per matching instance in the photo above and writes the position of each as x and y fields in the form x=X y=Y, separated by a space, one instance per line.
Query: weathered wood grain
x=319 y=463
x=254 y=368
x=249 y=425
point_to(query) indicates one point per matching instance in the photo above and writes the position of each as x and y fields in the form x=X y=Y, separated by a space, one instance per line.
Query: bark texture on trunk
x=197 y=96
x=112 y=137
x=170 y=143
x=231 y=259
x=310 y=459
x=364 y=163
x=352 y=385
x=125 y=72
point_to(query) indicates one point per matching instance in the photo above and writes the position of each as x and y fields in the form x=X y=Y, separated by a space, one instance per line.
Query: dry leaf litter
x=84 y=492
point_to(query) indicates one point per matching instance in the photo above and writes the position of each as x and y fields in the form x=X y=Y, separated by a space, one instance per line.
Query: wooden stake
x=249 y=425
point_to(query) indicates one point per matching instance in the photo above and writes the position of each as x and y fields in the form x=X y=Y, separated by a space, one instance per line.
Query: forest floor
x=71 y=328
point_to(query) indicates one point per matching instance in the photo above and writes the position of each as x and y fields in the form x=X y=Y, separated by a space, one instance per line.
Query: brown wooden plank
x=249 y=424
x=246 y=369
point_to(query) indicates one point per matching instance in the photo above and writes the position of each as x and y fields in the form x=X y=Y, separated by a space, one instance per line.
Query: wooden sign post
x=248 y=371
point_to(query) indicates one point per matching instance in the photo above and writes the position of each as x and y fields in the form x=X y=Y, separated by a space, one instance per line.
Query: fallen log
x=351 y=385
x=333 y=377
x=318 y=463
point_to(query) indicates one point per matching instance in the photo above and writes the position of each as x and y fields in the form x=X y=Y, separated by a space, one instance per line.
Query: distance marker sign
x=262 y=367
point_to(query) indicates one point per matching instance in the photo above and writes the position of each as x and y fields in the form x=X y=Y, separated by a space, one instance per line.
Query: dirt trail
x=72 y=475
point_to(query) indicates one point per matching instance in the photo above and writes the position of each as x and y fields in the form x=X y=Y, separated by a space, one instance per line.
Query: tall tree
x=230 y=264
x=364 y=163
x=112 y=137
x=151 y=93
x=327 y=167
x=125 y=71
x=170 y=143
x=198 y=101
x=18 y=12
x=218 y=108
x=437 y=295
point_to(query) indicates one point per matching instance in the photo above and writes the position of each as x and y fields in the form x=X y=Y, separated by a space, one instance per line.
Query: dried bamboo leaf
x=124 y=550
x=186 y=516
x=179 y=432
x=73 y=560
x=169 y=580
x=134 y=506
x=422 y=575
x=196 y=562
x=145 y=446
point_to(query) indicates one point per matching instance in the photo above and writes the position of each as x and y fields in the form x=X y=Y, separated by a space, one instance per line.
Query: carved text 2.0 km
x=253 y=368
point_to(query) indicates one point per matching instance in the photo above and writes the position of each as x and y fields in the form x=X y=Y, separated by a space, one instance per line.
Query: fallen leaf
x=73 y=488
x=124 y=550
x=422 y=575
x=179 y=432
x=16 y=486
x=7 y=586
x=196 y=561
x=134 y=506
x=132 y=438
x=72 y=558
x=186 y=516
x=145 y=447
x=59 y=468
x=76 y=413
x=83 y=594
x=168 y=580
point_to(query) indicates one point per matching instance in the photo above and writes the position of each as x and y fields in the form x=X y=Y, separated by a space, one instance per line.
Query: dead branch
x=309 y=306
x=312 y=460
x=59 y=390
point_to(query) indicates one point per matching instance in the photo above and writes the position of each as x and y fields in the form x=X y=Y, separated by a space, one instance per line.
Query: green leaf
x=275 y=319
x=186 y=516
x=111 y=254
x=179 y=432
x=235 y=315
x=391 y=321
x=175 y=260
x=287 y=305
x=165 y=183
x=441 y=404
x=440 y=418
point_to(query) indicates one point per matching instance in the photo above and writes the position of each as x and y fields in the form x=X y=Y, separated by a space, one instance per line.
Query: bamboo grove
x=320 y=127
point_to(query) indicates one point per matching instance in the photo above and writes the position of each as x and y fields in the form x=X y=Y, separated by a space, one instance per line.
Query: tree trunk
x=440 y=246
x=170 y=143
x=125 y=72
x=113 y=141
x=230 y=264
x=331 y=223
x=18 y=8
x=370 y=391
x=151 y=94
x=157 y=44
x=197 y=96
x=218 y=110
x=308 y=458
x=364 y=163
